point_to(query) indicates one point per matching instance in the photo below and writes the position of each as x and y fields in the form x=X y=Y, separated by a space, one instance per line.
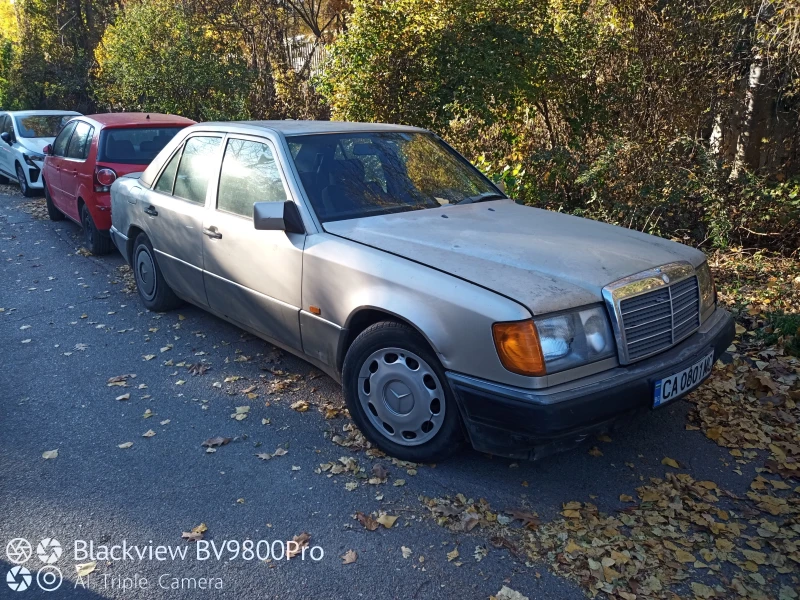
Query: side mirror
x=501 y=185
x=278 y=216
x=47 y=149
x=6 y=137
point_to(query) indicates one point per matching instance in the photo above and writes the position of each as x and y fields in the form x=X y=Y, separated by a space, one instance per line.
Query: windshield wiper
x=483 y=198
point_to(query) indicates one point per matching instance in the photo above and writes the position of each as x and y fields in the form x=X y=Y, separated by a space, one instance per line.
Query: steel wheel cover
x=401 y=396
x=145 y=271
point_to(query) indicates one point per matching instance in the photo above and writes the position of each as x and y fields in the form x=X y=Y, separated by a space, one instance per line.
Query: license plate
x=671 y=387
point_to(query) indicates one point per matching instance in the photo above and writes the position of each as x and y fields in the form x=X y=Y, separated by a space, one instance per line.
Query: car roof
x=291 y=127
x=136 y=119
x=43 y=113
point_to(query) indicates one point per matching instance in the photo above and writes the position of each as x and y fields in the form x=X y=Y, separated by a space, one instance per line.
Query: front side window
x=134 y=145
x=198 y=162
x=7 y=127
x=41 y=126
x=249 y=174
x=349 y=176
x=81 y=141
x=60 y=145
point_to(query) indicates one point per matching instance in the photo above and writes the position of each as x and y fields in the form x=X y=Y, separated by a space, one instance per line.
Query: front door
x=174 y=211
x=6 y=154
x=55 y=164
x=251 y=276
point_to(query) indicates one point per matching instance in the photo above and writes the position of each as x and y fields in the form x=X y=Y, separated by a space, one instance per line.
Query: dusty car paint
x=548 y=261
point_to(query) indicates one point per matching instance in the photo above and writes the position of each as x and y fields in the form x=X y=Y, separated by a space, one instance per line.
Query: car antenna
x=147 y=117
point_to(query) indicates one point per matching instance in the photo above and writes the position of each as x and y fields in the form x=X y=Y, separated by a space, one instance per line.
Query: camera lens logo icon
x=19 y=579
x=49 y=578
x=49 y=550
x=18 y=550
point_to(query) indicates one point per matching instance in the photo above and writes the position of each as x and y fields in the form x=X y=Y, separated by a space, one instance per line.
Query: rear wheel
x=97 y=242
x=153 y=289
x=397 y=394
x=52 y=211
x=23 y=182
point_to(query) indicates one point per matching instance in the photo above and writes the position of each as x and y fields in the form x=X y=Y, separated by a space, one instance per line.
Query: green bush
x=161 y=57
x=603 y=109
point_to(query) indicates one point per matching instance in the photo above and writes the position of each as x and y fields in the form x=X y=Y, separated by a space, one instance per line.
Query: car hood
x=35 y=144
x=545 y=260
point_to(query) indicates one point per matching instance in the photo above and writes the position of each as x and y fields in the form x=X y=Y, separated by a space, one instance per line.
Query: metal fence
x=299 y=52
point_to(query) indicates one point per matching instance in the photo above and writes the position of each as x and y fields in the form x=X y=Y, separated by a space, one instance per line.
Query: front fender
x=342 y=277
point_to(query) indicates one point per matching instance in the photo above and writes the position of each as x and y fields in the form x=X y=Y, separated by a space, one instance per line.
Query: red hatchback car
x=89 y=153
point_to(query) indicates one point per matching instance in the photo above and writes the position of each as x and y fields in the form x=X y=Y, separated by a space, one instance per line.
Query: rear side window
x=134 y=145
x=81 y=141
x=167 y=179
x=199 y=160
x=60 y=145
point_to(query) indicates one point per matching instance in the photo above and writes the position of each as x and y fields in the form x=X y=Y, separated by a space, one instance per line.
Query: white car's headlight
x=708 y=292
x=575 y=338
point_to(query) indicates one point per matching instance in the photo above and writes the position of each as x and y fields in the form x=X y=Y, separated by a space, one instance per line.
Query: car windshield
x=353 y=175
x=41 y=126
x=134 y=145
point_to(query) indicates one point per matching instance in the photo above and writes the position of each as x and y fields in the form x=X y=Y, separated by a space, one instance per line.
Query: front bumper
x=34 y=174
x=528 y=424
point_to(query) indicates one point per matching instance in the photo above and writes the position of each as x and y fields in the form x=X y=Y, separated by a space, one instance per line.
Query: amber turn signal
x=517 y=343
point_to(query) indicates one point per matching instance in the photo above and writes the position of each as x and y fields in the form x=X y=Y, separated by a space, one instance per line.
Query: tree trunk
x=751 y=95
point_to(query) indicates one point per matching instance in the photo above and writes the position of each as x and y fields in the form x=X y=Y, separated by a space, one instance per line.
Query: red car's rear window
x=134 y=145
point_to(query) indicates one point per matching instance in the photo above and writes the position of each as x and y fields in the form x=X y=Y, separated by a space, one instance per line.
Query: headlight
x=29 y=158
x=708 y=291
x=552 y=344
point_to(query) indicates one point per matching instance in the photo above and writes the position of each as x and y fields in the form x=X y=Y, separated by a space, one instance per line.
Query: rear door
x=73 y=167
x=251 y=276
x=173 y=213
x=55 y=163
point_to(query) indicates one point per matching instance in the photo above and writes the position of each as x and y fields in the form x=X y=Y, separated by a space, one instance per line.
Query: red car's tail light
x=103 y=178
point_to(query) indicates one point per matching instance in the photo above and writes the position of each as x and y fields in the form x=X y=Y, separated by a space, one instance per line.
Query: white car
x=24 y=133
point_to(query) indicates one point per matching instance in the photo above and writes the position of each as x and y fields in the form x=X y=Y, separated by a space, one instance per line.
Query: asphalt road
x=67 y=325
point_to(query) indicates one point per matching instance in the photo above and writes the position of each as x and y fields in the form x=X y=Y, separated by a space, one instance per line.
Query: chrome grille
x=656 y=320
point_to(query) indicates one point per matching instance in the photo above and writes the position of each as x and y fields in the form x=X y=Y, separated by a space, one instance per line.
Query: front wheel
x=398 y=396
x=52 y=211
x=23 y=182
x=153 y=289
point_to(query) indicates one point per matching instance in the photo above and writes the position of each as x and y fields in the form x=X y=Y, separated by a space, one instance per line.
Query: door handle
x=150 y=210
x=212 y=233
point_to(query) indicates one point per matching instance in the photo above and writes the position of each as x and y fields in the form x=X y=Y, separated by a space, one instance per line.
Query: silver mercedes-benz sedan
x=447 y=311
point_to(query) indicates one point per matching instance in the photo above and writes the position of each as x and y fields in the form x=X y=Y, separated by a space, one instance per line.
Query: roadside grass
x=784 y=327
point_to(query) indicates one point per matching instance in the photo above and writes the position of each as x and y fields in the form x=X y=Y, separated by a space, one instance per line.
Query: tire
x=52 y=211
x=97 y=242
x=23 y=182
x=395 y=388
x=154 y=291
